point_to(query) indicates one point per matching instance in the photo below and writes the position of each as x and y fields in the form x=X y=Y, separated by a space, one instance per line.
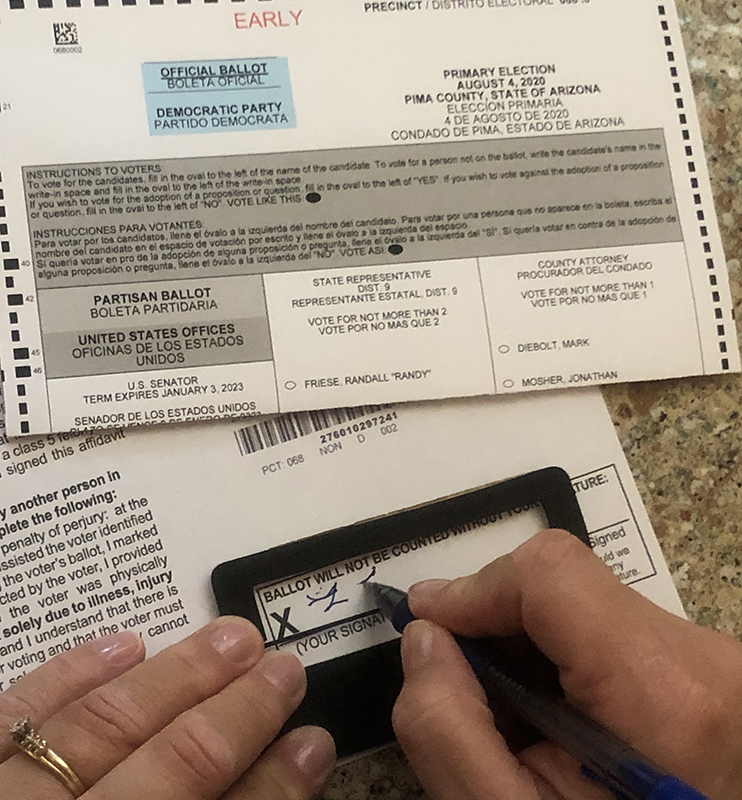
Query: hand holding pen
x=669 y=688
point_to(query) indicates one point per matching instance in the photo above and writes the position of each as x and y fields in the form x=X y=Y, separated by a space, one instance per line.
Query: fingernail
x=119 y=648
x=285 y=672
x=426 y=591
x=313 y=751
x=236 y=640
x=417 y=645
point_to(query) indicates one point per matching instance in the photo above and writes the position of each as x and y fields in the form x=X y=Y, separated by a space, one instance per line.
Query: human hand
x=191 y=723
x=669 y=688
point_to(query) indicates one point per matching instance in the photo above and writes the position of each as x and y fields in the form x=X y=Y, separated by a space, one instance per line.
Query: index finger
x=543 y=587
x=65 y=678
x=662 y=683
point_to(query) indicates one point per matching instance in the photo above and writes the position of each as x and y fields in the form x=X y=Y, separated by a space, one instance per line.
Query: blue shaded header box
x=218 y=96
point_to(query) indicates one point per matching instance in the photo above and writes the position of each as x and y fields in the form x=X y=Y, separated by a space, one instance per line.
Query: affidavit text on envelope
x=274 y=205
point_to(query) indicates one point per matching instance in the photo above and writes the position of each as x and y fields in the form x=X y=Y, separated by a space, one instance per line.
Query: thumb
x=445 y=727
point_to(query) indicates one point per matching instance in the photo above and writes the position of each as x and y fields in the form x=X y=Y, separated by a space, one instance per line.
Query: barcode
x=65 y=33
x=278 y=430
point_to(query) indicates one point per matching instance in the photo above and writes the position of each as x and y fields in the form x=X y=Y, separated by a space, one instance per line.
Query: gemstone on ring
x=31 y=744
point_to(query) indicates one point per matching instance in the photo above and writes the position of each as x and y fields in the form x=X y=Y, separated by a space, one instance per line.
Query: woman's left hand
x=195 y=722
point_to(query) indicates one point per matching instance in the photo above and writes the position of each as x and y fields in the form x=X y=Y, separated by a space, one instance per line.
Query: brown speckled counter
x=683 y=438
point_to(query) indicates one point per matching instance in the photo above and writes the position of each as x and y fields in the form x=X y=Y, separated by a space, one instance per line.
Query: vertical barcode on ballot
x=278 y=430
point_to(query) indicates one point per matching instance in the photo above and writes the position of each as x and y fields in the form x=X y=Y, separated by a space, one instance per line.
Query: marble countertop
x=682 y=438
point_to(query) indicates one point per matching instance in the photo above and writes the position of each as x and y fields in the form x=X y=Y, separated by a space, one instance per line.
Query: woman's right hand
x=670 y=688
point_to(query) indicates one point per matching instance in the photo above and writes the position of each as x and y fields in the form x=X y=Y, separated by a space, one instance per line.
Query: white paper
x=325 y=613
x=292 y=204
x=120 y=529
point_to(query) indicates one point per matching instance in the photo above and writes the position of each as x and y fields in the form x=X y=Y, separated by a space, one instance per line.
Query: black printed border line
x=16 y=4
x=697 y=200
x=13 y=299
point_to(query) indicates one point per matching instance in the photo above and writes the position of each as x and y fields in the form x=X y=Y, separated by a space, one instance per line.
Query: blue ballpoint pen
x=605 y=758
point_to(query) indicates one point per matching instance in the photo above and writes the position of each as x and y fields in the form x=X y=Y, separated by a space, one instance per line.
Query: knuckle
x=198 y=756
x=419 y=715
x=268 y=707
x=271 y=697
x=201 y=677
x=710 y=702
x=111 y=713
x=714 y=719
x=425 y=728
x=405 y=714
x=592 y=687
x=65 y=670
x=701 y=722
x=15 y=706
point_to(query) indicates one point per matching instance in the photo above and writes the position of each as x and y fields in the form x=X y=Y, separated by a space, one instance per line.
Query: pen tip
x=373 y=588
x=378 y=589
x=386 y=597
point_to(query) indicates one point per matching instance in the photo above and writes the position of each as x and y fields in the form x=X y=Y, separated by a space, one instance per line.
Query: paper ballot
x=276 y=205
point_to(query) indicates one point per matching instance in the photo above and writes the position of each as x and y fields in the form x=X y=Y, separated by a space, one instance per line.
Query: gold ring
x=29 y=742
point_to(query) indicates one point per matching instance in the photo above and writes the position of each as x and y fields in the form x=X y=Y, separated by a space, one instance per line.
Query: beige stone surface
x=682 y=438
